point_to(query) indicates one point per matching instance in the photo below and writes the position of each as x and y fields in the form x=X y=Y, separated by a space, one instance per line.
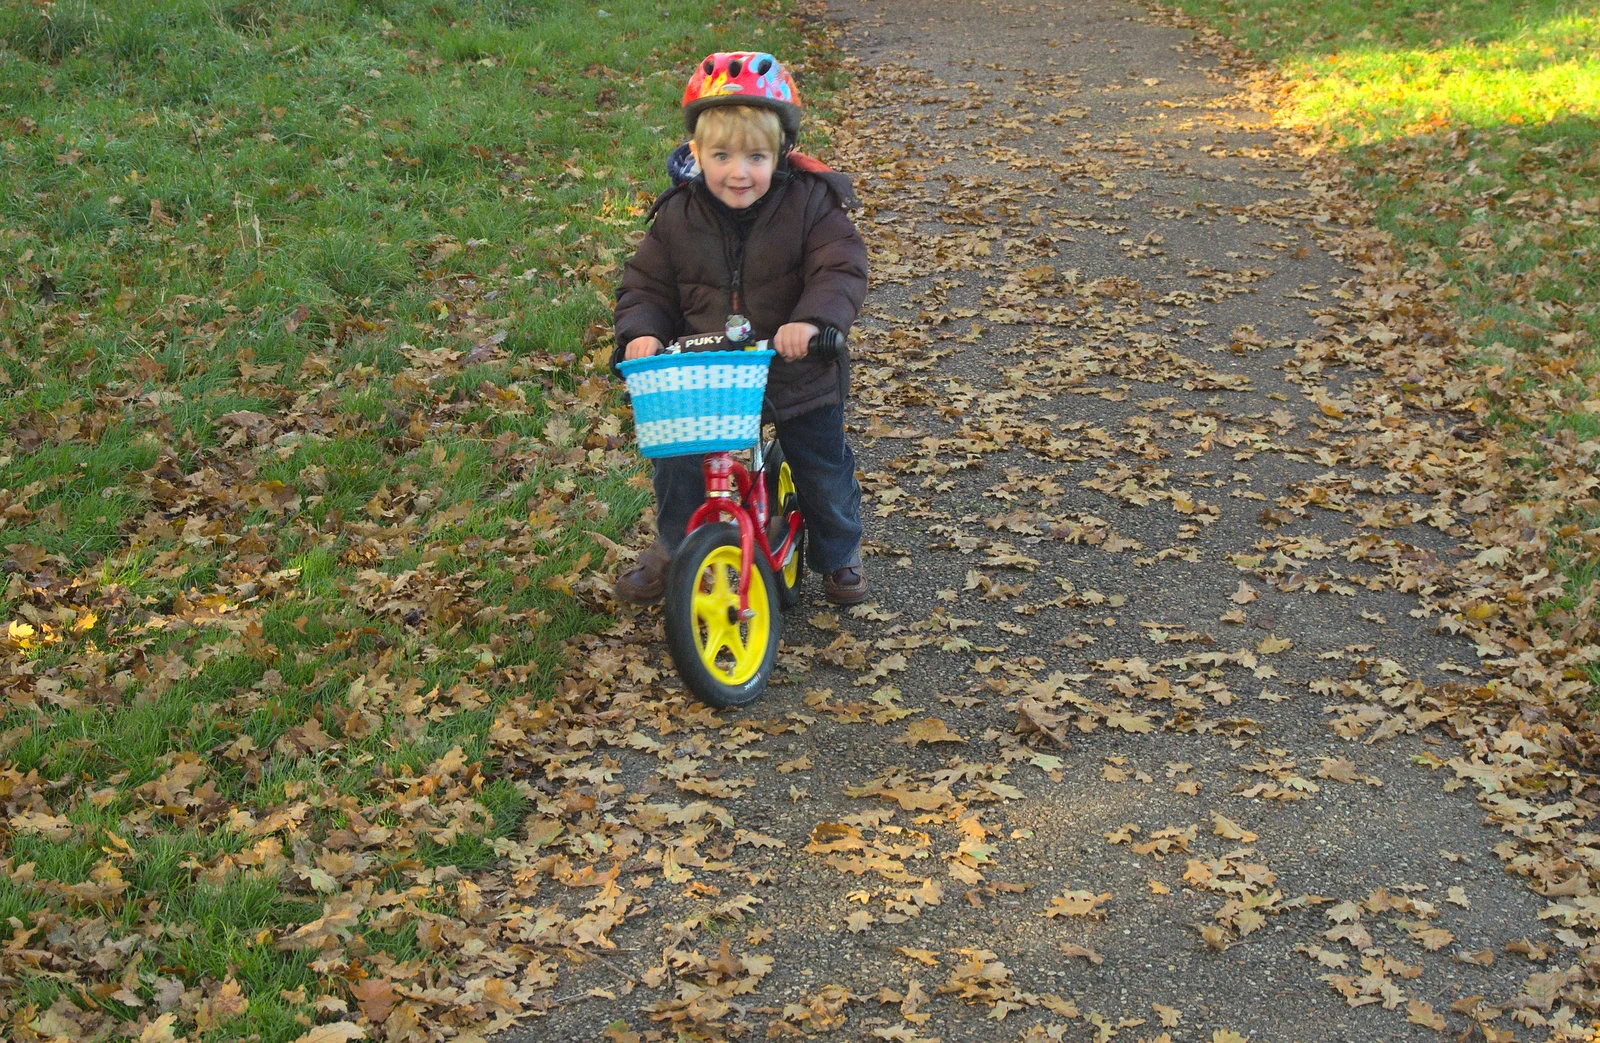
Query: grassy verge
x=307 y=467
x=1474 y=130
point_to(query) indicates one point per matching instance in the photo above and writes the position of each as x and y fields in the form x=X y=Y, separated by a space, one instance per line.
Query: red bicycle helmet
x=744 y=78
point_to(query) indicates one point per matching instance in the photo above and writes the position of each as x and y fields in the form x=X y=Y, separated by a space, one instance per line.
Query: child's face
x=737 y=176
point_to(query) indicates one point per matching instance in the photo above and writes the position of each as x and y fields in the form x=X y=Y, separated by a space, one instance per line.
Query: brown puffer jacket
x=802 y=261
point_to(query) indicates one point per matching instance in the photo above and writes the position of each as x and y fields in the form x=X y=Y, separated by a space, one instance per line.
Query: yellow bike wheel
x=724 y=659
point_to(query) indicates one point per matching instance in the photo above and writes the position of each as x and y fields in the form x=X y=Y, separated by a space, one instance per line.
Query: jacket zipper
x=736 y=267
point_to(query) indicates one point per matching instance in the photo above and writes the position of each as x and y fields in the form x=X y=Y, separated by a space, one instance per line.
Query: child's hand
x=794 y=340
x=642 y=347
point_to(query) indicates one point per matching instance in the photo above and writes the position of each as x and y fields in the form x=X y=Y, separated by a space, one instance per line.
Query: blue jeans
x=824 y=472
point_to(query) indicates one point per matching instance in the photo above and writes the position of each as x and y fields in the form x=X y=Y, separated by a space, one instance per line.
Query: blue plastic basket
x=697 y=401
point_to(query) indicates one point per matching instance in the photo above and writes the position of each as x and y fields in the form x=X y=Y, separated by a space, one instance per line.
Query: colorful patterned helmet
x=743 y=78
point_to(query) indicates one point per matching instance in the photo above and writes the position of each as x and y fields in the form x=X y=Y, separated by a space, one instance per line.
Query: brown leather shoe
x=646 y=581
x=846 y=586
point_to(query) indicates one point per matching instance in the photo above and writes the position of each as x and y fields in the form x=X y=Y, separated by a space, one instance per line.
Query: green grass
x=291 y=291
x=1374 y=71
x=1474 y=128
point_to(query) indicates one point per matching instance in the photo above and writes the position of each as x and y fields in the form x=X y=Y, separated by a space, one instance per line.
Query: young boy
x=753 y=228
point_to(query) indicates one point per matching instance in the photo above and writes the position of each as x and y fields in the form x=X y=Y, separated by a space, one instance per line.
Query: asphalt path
x=1078 y=772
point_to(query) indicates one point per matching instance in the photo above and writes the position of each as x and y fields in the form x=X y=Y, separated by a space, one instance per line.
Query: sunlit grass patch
x=1374 y=71
x=1548 y=71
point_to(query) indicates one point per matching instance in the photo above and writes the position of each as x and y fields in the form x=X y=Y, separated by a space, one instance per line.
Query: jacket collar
x=840 y=183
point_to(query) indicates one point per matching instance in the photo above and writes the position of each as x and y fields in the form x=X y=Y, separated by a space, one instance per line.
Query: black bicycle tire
x=788 y=596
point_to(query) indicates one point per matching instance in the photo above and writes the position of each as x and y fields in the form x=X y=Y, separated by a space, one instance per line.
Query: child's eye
x=720 y=157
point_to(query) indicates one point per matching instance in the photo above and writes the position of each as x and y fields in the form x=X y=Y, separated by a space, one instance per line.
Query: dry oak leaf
x=55 y=828
x=105 y=884
x=881 y=671
x=930 y=730
x=1228 y=829
x=1536 y=951
x=1359 y=938
x=1344 y=912
x=1228 y=1036
x=159 y=215
x=1077 y=903
x=1170 y=1016
x=831 y=837
x=900 y=1034
x=859 y=921
x=1542 y=989
x=340 y=914
x=160 y=1030
x=1419 y=1013
x=320 y=879
x=1340 y=769
x=375 y=997
x=1248 y=921
x=1432 y=938
x=1130 y=722
x=911 y=1006
x=1272 y=644
x=1326 y=957
x=228 y=1002
x=1244 y=595
x=926 y=957
x=918 y=800
x=1071 y=949
x=336 y=1032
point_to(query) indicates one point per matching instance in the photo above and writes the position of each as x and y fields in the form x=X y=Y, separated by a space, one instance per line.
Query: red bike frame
x=733 y=492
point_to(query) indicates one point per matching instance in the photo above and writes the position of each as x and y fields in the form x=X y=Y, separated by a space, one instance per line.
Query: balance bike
x=740 y=566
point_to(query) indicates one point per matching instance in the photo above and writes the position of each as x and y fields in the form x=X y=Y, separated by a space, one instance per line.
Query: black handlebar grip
x=828 y=344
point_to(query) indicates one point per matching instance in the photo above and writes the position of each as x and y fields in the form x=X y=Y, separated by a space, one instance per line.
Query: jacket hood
x=682 y=167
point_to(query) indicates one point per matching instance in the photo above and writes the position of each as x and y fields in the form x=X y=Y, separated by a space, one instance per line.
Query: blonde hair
x=744 y=128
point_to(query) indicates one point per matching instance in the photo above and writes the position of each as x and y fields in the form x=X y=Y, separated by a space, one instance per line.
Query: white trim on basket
x=696 y=378
x=654 y=433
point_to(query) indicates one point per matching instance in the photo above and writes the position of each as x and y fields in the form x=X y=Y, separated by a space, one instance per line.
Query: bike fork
x=721 y=477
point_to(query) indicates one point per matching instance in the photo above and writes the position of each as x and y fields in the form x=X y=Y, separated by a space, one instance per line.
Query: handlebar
x=828 y=345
